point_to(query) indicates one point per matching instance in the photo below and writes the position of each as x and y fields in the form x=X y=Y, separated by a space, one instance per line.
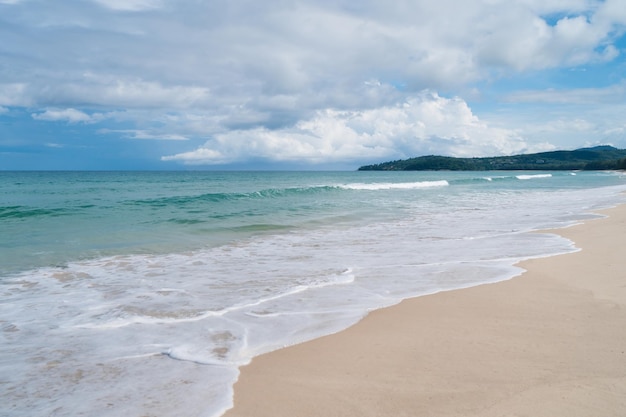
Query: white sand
x=549 y=343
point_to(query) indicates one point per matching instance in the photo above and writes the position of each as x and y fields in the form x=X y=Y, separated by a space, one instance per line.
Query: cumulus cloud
x=425 y=123
x=309 y=80
x=521 y=40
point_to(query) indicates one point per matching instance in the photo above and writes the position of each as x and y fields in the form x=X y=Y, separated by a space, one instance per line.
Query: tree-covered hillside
x=596 y=158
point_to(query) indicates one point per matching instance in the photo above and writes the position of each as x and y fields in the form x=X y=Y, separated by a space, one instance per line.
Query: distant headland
x=594 y=158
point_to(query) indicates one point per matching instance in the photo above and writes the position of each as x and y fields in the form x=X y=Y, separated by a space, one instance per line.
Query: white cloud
x=144 y=134
x=139 y=93
x=93 y=90
x=130 y=5
x=426 y=123
x=621 y=130
x=14 y=94
x=521 y=40
x=611 y=13
x=104 y=90
x=68 y=115
x=242 y=51
x=600 y=96
x=568 y=119
x=201 y=156
x=261 y=78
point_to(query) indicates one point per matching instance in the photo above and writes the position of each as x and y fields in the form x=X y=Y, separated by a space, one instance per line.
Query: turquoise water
x=56 y=217
x=143 y=292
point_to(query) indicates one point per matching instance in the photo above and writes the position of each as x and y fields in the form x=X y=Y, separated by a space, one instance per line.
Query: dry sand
x=551 y=342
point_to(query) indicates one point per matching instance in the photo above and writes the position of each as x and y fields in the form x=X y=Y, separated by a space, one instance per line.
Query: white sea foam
x=395 y=186
x=495 y=177
x=532 y=177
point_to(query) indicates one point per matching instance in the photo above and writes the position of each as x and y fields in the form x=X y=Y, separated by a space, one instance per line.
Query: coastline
x=551 y=341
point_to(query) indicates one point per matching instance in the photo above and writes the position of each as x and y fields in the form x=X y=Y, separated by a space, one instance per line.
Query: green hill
x=596 y=158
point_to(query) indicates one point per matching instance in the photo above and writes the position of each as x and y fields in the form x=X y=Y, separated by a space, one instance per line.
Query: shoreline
x=547 y=342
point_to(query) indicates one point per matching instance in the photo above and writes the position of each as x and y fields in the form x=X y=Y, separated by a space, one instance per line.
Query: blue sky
x=309 y=84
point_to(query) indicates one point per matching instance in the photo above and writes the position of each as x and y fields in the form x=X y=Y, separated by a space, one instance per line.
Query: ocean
x=142 y=293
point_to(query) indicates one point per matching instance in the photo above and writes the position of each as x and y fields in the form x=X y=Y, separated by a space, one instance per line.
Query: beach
x=112 y=278
x=549 y=342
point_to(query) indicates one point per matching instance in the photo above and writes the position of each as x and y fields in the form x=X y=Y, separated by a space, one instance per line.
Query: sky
x=309 y=84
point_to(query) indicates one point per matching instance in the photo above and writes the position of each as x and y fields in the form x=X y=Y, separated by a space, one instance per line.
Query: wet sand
x=551 y=342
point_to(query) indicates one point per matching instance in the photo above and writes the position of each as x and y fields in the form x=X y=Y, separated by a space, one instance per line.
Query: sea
x=144 y=293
